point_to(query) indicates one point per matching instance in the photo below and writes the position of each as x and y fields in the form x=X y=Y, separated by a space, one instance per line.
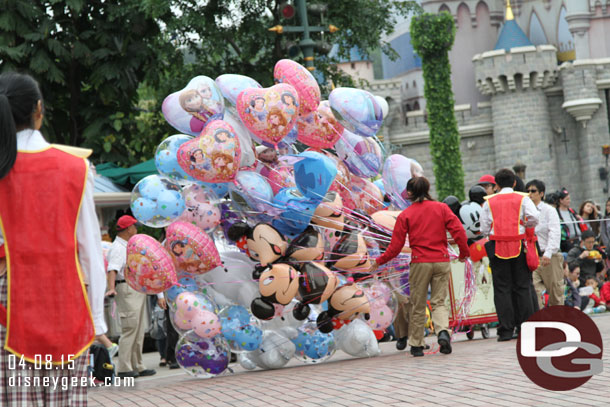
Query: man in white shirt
x=504 y=218
x=131 y=304
x=549 y=276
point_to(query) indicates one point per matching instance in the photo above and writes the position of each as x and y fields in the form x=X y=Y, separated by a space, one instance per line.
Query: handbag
x=531 y=251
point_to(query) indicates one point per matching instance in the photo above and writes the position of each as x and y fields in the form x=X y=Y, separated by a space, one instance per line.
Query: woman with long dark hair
x=50 y=238
x=426 y=222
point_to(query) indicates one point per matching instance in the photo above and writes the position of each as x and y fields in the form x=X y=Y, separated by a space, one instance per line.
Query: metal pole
x=306 y=44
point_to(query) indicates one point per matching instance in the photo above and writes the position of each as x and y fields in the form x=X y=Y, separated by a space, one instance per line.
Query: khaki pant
x=401 y=322
x=550 y=278
x=131 y=306
x=437 y=276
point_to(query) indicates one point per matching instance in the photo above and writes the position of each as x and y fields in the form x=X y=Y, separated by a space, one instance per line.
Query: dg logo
x=560 y=348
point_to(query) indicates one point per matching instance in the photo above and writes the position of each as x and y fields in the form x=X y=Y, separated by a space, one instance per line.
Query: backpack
x=100 y=364
x=157 y=326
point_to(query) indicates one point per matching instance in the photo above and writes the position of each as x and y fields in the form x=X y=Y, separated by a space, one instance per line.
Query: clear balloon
x=313 y=346
x=357 y=339
x=362 y=155
x=190 y=110
x=202 y=358
x=240 y=329
x=166 y=158
x=397 y=171
x=231 y=85
x=201 y=209
x=157 y=201
x=251 y=193
x=275 y=351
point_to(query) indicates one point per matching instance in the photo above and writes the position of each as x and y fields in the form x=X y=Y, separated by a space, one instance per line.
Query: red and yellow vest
x=506 y=218
x=47 y=310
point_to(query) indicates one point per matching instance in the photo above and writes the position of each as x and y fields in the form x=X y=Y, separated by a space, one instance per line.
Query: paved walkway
x=481 y=372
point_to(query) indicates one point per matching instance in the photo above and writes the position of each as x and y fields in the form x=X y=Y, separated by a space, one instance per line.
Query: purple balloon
x=357 y=110
x=202 y=357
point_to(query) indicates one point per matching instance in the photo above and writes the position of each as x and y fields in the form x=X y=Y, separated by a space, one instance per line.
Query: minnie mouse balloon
x=269 y=113
x=149 y=268
x=191 y=249
x=295 y=74
x=357 y=110
x=192 y=108
x=319 y=129
x=214 y=156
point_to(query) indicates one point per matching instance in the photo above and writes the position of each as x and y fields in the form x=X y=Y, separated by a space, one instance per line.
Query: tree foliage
x=106 y=66
x=432 y=36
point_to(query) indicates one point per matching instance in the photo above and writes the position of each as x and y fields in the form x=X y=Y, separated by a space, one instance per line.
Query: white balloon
x=275 y=351
x=385 y=108
x=471 y=215
x=357 y=339
x=233 y=279
x=246 y=361
x=245 y=141
x=286 y=324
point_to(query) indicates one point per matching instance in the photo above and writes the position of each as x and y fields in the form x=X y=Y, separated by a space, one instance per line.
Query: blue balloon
x=239 y=314
x=313 y=174
x=174 y=291
x=151 y=186
x=166 y=157
x=245 y=337
x=314 y=346
x=144 y=209
x=188 y=283
x=220 y=188
x=297 y=211
x=170 y=204
x=251 y=191
x=231 y=85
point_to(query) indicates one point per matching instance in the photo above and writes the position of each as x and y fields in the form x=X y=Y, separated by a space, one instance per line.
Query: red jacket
x=604 y=292
x=427 y=224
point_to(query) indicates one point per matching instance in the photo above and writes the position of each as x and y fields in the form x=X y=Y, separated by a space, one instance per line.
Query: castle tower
x=515 y=76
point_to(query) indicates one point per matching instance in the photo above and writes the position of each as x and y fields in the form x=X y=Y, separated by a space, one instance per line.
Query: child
x=596 y=304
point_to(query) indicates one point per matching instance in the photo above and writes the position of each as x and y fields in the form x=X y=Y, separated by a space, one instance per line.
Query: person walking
x=426 y=222
x=50 y=245
x=131 y=304
x=549 y=275
x=504 y=218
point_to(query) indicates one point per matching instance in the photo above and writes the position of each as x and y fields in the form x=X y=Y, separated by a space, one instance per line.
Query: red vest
x=47 y=307
x=505 y=213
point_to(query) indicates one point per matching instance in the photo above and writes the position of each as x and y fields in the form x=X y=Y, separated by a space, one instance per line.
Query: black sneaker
x=444 y=340
x=128 y=374
x=417 y=351
x=147 y=372
x=401 y=343
x=174 y=365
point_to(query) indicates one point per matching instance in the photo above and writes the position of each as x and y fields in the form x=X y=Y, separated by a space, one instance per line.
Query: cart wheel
x=470 y=333
x=485 y=331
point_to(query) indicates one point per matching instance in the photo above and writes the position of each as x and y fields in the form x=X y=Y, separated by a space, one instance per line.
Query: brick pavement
x=481 y=372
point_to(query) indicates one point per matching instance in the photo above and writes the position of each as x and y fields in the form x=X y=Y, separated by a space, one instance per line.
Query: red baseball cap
x=487 y=179
x=125 y=221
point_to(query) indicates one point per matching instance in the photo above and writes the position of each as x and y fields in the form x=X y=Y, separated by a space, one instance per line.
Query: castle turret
x=515 y=79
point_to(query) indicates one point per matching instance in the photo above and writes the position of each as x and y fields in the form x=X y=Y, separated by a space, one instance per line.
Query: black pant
x=512 y=290
x=171 y=339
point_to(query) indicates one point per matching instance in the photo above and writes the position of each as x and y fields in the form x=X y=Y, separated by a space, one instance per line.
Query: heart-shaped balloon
x=191 y=249
x=269 y=113
x=397 y=171
x=189 y=110
x=295 y=74
x=368 y=195
x=149 y=268
x=214 y=156
x=319 y=129
x=357 y=110
x=232 y=85
x=362 y=155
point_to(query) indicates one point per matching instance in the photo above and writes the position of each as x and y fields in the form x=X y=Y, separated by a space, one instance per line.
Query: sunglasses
x=531 y=191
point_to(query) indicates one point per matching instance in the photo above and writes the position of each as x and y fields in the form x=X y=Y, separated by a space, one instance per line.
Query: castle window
x=353 y=65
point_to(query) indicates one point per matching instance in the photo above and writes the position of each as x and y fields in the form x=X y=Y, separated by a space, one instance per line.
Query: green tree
x=106 y=66
x=432 y=36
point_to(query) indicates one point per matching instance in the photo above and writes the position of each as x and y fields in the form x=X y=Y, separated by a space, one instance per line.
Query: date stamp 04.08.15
x=64 y=374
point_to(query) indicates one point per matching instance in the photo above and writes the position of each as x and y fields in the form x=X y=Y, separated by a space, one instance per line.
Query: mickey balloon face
x=279 y=283
x=262 y=243
x=317 y=283
x=470 y=215
x=308 y=246
x=212 y=157
x=350 y=254
x=329 y=214
x=269 y=113
x=190 y=110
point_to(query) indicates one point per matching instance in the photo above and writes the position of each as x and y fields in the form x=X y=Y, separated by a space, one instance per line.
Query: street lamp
x=307 y=45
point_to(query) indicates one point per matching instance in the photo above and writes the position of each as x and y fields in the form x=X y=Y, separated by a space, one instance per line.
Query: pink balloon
x=295 y=74
x=280 y=177
x=186 y=305
x=182 y=321
x=206 y=324
x=150 y=269
x=191 y=249
x=214 y=156
x=368 y=195
x=380 y=317
x=319 y=129
x=269 y=113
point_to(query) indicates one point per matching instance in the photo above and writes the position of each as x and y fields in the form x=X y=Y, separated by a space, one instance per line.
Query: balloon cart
x=481 y=312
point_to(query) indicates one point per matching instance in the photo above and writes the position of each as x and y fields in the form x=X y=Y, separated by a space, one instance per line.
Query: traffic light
x=287 y=11
x=292 y=49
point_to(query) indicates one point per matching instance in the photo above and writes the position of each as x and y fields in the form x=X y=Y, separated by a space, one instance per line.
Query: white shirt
x=117 y=257
x=548 y=230
x=528 y=209
x=88 y=235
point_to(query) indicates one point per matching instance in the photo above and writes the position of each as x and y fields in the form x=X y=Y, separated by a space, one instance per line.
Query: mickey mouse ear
x=325 y=323
x=262 y=309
